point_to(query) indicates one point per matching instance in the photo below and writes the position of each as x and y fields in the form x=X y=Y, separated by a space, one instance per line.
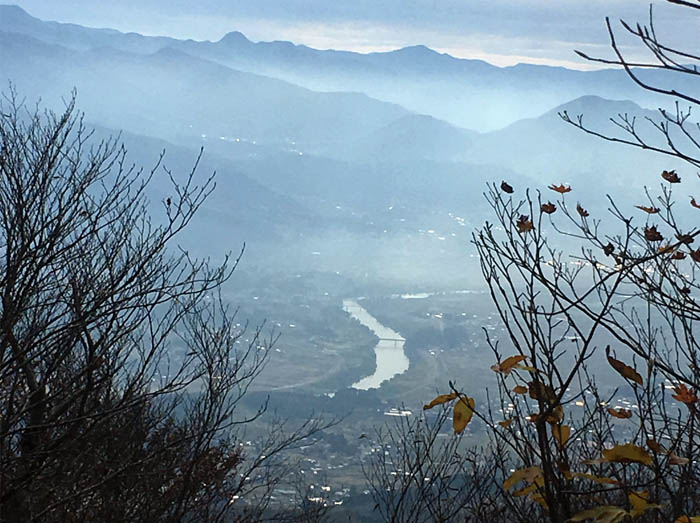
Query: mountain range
x=336 y=148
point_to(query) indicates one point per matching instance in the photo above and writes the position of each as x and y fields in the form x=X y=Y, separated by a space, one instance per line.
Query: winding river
x=391 y=359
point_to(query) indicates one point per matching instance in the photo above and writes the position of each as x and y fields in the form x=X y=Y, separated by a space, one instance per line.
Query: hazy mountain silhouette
x=550 y=150
x=179 y=97
x=414 y=136
x=468 y=93
x=303 y=171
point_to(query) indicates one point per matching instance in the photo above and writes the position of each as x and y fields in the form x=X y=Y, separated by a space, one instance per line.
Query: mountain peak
x=417 y=50
x=13 y=12
x=234 y=37
x=12 y=8
x=596 y=103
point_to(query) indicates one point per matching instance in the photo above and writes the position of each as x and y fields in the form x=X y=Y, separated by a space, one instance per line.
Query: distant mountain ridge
x=336 y=151
x=191 y=92
x=180 y=97
x=467 y=93
x=548 y=149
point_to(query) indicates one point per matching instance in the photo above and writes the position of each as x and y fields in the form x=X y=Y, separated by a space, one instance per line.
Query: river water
x=391 y=359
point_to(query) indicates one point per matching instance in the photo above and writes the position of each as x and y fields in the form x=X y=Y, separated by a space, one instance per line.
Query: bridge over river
x=391 y=358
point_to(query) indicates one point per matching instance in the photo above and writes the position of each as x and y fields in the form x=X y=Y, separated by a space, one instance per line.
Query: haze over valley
x=355 y=182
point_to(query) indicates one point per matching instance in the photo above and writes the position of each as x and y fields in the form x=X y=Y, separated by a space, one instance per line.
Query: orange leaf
x=677 y=460
x=656 y=447
x=687 y=239
x=671 y=176
x=442 y=398
x=548 y=207
x=561 y=189
x=649 y=210
x=462 y=414
x=620 y=413
x=652 y=235
x=625 y=370
x=524 y=224
x=663 y=249
x=520 y=389
x=684 y=394
x=627 y=453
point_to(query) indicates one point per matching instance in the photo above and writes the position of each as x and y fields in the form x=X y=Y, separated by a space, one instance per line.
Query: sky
x=502 y=32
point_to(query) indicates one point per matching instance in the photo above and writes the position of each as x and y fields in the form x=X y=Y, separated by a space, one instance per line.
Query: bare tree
x=580 y=446
x=667 y=68
x=121 y=371
x=568 y=443
x=420 y=472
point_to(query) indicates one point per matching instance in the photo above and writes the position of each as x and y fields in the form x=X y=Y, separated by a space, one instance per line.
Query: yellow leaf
x=526 y=367
x=605 y=513
x=625 y=370
x=627 y=453
x=442 y=398
x=528 y=474
x=520 y=389
x=525 y=490
x=507 y=365
x=539 y=498
x=640 y=502
x=462 y=414
x=597 y=479
x=688 y=519
x=561 y=434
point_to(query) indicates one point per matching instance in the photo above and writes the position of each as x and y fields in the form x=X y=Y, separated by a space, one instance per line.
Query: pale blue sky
x=500 y=31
